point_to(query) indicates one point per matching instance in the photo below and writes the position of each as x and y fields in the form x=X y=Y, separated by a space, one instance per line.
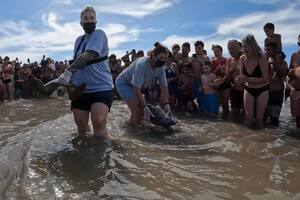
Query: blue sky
x=31 y=28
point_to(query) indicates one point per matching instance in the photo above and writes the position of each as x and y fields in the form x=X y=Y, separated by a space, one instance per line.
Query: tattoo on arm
x=84 y=59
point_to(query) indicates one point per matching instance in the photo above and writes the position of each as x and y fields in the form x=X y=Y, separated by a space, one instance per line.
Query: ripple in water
x=202 y=159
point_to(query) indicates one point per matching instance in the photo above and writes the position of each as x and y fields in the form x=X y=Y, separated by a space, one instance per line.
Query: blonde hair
x=87 y=9
x=250 y=40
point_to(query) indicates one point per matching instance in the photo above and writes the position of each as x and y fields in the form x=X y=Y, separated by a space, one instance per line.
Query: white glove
x=147 y=113
x=63 y=79
x=168 y=110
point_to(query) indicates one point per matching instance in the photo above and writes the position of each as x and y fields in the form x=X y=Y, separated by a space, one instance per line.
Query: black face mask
x=89 y=27
x=159 y=63
x=298 y=44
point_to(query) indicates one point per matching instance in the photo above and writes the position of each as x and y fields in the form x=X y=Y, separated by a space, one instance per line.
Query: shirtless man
x=126 y=61
x=175 y=53
x=232 y=71
x=294 y=84
x=184 y=56
x=198 y=61
x=278 y=70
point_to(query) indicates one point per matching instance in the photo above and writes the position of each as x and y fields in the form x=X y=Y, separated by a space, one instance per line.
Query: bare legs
x=224 y=100
x=136 y=113
x=99 y=113
x=258 y=106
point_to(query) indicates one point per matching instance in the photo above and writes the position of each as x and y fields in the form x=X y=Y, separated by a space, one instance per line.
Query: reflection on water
x=201 y=159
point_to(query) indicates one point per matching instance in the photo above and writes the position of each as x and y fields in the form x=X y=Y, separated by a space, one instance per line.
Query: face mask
x=159 y=63
x=89 y=27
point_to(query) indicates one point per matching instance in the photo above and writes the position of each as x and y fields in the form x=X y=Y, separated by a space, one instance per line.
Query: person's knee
x=99 y=121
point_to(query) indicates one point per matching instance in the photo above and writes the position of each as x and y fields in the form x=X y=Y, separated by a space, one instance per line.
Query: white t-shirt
x=141 y=75
x=97 y=76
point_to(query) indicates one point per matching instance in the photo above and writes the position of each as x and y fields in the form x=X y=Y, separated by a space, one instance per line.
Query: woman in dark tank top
x=254 y=75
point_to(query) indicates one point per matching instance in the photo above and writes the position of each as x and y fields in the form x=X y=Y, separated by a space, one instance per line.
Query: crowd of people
x=14 y=75
x=251 y=83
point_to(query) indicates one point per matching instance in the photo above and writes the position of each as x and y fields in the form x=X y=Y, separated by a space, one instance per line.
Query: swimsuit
x=6 y=81
x=255 y=92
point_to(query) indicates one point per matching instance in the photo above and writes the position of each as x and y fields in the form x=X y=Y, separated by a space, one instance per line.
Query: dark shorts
x=224 y=86
x=6 y=81
x=276 y=98
x=237 y=98
x=85 y=101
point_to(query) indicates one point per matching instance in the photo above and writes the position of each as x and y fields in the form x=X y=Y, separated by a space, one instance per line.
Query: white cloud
x=19 y=39
x=136 y=8
x=286 y=23
x=64 y=2
x=208 y=40
x=264 y=1
x=270 y=2
x=133 y=8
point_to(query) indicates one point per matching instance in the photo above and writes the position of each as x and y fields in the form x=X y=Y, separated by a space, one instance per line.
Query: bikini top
x=256 y=72
x=7 y=69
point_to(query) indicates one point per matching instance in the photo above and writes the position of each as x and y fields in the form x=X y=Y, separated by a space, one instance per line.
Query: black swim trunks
x=85 y=101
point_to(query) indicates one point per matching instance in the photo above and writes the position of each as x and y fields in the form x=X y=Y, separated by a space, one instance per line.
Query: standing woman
x=96 y=99
x=142 y=74
x=254 y=75
x=7 y=71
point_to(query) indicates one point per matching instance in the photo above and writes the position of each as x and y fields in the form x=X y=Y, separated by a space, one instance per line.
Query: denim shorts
x=125 y=90
x=86 y=100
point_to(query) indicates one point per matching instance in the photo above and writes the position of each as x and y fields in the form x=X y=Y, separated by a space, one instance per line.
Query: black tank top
x=256 y=72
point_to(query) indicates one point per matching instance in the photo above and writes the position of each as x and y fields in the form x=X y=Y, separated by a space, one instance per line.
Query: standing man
x=96 y=99
x=278 y=70
x=232 y=71
x=294 y=84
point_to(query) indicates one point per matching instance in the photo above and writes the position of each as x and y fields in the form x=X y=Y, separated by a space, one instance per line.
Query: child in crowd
x=185 y=84
x=209 y=103
x=172 y=78
x=269 y=30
